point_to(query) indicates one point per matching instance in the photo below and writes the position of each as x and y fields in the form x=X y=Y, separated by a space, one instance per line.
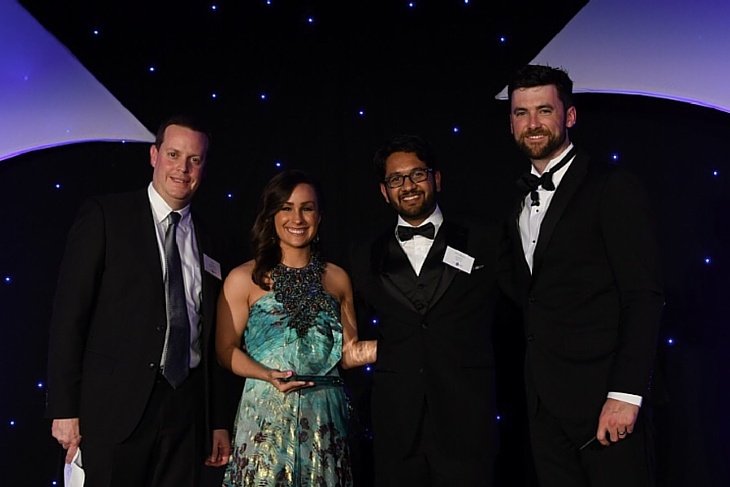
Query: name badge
x=458 y=260
x=212 y=266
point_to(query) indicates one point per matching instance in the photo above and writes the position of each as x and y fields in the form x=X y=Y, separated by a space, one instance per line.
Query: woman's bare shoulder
x=335 y=279
x=241 y=274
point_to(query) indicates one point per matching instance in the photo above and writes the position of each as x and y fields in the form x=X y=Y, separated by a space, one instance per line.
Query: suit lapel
x=450 y=235
x=521 y=268
x=454 y=236
x=149 y=247
x=563 y=194
x=206 y=284
x=380 y=253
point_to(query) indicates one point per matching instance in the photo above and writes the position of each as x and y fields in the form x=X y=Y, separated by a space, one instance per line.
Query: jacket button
x=530 y=338
x=531 y=299
x=424 y=326
x=160 y=328
x=152 y=366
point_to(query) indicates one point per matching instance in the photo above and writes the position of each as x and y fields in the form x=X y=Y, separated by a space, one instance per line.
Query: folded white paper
x=73 y=473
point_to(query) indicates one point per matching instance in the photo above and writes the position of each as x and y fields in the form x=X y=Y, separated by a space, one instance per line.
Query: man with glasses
x=429 y=280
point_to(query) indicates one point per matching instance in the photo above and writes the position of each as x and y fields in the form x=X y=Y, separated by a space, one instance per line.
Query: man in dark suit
x=433 y=405
x=108 y=338
x=586 y=267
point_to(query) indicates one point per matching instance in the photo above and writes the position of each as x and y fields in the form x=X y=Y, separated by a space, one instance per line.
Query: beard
x=417 y=212
x=544 y=151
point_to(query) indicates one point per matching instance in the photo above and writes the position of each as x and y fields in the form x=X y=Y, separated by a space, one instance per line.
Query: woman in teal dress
x=296 y=316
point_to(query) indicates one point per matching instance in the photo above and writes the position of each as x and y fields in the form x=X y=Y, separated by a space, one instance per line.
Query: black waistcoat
x=419 y=289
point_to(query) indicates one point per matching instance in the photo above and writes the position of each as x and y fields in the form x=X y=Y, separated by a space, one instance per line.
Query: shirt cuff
x=629 y=398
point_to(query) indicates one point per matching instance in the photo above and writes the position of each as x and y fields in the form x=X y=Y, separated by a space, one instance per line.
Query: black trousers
x=430 y=463
x=166 y=448
x=559 y=461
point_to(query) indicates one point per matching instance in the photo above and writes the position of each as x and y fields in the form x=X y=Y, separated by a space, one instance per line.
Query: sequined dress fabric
x=298 y=439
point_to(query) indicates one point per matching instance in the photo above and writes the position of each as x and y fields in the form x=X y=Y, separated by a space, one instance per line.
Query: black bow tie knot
x=528 y=182
x=406 y=233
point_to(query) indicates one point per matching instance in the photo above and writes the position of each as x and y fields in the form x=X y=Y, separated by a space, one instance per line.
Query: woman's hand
x=279 y=379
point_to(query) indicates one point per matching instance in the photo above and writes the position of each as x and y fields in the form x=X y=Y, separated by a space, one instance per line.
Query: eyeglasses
x=416 y=176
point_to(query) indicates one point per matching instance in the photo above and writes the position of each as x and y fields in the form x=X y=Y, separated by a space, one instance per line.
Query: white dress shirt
x=418 y=247
x=531 y=217
x=188 y=247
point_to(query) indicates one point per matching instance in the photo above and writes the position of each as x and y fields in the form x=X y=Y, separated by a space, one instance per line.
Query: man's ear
x=153 y=155
x=571 y=116
x=384 y=192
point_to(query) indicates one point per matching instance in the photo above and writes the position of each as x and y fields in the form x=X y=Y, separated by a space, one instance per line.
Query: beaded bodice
x=301 y=293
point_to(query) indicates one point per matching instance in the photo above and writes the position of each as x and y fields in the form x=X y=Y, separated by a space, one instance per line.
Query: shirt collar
x=555 y=160
x=160 y=208
x=437 y=218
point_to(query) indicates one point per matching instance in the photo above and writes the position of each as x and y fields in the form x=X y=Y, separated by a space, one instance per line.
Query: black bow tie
x=529 y=183
x=406 y=233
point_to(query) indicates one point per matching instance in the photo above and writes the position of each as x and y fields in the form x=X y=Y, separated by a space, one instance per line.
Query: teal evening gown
x=297 y=439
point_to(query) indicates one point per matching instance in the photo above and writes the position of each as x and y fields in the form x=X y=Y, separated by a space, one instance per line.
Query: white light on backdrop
x=47 y=97
x=673 y=49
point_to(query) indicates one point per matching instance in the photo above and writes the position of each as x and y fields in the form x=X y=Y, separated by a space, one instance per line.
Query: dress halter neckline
x=300 y=291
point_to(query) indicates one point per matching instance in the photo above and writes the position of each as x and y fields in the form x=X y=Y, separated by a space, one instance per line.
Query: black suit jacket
x=593 y=302
x=441 y=355
x=108 y=325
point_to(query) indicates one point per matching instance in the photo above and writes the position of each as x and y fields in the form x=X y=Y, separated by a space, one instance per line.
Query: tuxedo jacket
x=593 y=302
x=108 y=325
x=434 y=339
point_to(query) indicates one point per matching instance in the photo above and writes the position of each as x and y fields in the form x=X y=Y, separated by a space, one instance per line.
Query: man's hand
x=221 y=449
x=66 y=431
x=616 y=422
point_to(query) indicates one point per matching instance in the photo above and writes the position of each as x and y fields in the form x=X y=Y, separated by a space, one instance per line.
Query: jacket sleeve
x=629 y=234
x=81 y=271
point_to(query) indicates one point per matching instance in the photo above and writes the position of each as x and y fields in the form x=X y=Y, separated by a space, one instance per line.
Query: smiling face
x=178 y=165
x=413 y=201
x=298 y=219
x=540 y=123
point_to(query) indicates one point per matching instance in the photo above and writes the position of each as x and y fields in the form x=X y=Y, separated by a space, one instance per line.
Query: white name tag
x=212 y=266
x=458 y=260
